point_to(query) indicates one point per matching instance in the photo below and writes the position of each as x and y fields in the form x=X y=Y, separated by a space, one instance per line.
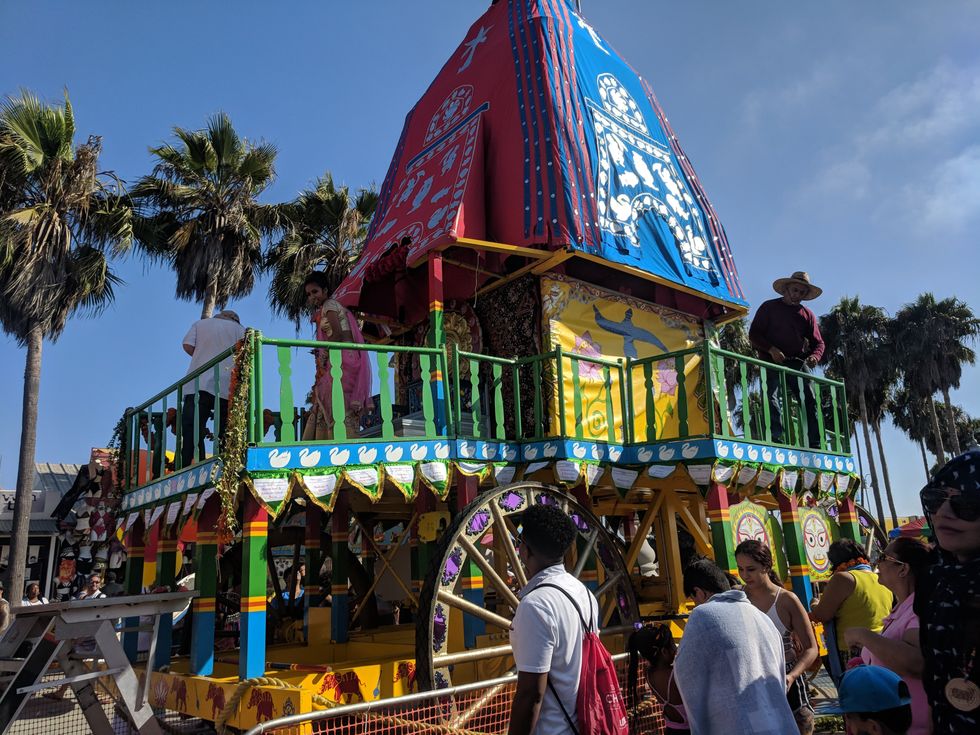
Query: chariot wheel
x=469 y=597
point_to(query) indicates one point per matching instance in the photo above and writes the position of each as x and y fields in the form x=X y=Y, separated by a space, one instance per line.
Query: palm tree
x=60 y=222
x=198 y=211
x=934 y=338
x=325 y=228
x=910 y=413
x=853 y=333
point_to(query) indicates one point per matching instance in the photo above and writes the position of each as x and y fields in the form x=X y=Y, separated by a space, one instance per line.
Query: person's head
x=874 y=701
x=546 y=534
x=951 y=502
x=655 y=644
x=902 y=561
x=703 y=579
x=228 y=315
x=94 y=581
x=110 y=577
x=317 y=288
x=845 y=552
x=796 y=288
x=33 y=591
x=755 y=564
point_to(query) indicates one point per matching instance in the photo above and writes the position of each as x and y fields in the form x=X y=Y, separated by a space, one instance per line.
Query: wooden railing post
x=252 y=625
x=206 y=581
x=799 y=569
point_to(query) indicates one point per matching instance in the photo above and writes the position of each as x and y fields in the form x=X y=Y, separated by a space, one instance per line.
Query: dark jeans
x=204 y=410
x=774 y=387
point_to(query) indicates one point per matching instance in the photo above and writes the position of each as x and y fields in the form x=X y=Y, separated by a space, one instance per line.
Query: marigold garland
x=236 y=437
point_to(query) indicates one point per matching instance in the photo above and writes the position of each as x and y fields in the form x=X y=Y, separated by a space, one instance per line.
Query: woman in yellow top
x=853 y=598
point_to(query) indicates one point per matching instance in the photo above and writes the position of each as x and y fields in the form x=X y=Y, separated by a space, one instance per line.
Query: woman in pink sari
x=334 y=323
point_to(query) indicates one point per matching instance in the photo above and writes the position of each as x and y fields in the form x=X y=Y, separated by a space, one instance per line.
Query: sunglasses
x=892 y=559
x=964 y=507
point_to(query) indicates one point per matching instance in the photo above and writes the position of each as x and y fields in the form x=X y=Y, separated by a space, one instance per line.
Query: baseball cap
x=871 y=689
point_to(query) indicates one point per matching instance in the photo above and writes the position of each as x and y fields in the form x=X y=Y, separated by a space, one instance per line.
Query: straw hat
x=229 y=315
x=802 y=278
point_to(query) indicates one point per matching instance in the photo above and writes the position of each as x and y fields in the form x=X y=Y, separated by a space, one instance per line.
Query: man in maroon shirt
x=786 y=332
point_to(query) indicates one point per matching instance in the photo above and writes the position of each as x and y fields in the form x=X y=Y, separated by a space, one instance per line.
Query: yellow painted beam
x=500 y=247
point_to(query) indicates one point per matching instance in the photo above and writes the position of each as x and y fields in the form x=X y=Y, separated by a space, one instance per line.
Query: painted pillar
x=467 y=488
x=847 y=517
x=314 y=522
x=799 y=569
x=421 y=550
x=590 y=572
x=255 y=539
x=437 y=338
x=340 y=607
x=166 y=577
x=722 y=538
x=134 y=584
x=206 y=582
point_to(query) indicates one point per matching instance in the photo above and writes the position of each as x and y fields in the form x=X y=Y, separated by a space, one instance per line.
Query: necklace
x=962 y=693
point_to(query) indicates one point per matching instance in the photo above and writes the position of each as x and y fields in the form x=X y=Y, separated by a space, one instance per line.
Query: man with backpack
x=566 y=683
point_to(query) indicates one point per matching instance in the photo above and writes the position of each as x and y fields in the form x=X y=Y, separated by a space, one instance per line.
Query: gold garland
x=236 y=437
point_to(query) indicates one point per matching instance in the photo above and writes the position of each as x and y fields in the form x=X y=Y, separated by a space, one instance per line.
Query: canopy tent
x=537 y=135
x=915 y=528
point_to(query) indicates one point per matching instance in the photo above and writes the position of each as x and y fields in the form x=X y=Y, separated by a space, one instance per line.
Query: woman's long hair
x=650 y=641
x=913 y=552
x=761 y=555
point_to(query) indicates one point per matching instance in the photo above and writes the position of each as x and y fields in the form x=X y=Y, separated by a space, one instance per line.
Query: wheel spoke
x=473 y=553
x=583 y=555
x=515 y=561
x=473 y=609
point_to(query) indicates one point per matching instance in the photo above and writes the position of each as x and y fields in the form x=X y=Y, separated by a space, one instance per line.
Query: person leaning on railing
x=206 y=339
x=787 y=333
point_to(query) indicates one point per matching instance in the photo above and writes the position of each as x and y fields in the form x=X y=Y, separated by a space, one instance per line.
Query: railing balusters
x=610 y=413
x=804 y=419
x=259 y=391
x=197 y=420
x=651 y=403
x=718 y=370
x=818 y=399
x=428 y=409
x=387 y=417
x=338 y=403
x=577 y=397
x=476 y=398
x=218 y=396
x=537 y=368
x=287 y=433
x=764 y=387
x=498 y=401
x=683 y=428
x=518 y=418
x=560 y=376
x=746 y=401
x=837 y=432
x=627 y=417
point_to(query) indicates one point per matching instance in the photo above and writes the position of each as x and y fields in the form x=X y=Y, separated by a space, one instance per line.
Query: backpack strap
x=563 y=710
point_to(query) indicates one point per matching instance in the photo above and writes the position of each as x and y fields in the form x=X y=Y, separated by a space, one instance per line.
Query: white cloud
x=948 y=201
x=849 y=179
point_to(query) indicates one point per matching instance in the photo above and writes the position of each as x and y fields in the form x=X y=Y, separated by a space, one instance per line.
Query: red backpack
x=600 y=708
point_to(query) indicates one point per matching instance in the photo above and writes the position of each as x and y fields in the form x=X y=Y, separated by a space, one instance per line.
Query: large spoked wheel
x=470 y=594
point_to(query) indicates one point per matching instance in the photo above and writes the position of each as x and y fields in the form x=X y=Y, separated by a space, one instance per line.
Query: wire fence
x=478 y=709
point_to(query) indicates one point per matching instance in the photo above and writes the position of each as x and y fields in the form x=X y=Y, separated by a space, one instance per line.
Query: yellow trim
x=499 y=247
x=741 y=310
x=253 y=604
x=256 y=528
x=204 y=604
x=799 y=571
x=435 y=306
x=559 y=257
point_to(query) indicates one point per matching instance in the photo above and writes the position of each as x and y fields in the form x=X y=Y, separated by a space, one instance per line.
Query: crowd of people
x=906 y=633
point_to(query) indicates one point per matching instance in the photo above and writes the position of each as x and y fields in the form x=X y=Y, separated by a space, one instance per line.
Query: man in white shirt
x=206 y=339
x=546 y=634
x=730 y=666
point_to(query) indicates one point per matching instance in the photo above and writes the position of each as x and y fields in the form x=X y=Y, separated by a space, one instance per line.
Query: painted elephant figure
x=261 y=701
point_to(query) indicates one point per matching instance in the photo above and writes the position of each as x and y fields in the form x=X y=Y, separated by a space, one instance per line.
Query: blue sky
x=840 y=138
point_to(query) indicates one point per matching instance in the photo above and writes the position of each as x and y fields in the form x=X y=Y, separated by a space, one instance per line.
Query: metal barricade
x=480 y=708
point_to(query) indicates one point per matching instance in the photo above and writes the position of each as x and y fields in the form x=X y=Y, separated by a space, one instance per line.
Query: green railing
x=694 y=393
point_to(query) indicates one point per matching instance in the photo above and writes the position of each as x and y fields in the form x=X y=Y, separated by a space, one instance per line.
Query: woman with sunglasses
x=904 y=561
x=948 y=598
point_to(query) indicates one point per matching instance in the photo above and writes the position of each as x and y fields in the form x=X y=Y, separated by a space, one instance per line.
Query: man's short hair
x=707 y=575
x=547 y=530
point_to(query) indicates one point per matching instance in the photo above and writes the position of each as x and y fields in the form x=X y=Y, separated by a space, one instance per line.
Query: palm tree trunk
x=210 y=299
x=934 y=418
x=24 y=497
x=871 y=459
x=884 y=471
x=954 y=439
x=925 y=459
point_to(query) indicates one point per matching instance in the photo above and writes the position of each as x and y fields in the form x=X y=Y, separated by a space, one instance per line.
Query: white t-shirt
x=209 y=338
x=730 y=670
x=547 y=637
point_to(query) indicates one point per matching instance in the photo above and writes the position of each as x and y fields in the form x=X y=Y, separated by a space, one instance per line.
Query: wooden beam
x=500 y=247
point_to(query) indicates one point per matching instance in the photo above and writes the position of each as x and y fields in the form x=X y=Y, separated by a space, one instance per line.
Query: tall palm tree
x=325 y=228
x=61 y=220
x=934 y=338
x=853 y=333
x=199 y=211
x=910 y=413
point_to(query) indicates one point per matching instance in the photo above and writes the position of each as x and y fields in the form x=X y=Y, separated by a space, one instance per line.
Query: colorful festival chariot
x=542 y=287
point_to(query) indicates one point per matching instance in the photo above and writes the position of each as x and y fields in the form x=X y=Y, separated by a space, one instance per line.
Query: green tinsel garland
x=236 y=437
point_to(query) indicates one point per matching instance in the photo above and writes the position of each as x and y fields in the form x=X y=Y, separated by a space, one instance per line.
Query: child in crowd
x=874 y=701
x=656 y=645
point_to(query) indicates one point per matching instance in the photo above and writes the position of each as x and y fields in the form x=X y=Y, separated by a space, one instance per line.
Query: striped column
x=339 y=531
x=467 y=488
x=255 y=538
x=722 y=538
x=314 y=528
x=799 y=569
x=134 y=585
x=437 y=338
x=166 y=577
x=206 y=581
x=847 y=518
